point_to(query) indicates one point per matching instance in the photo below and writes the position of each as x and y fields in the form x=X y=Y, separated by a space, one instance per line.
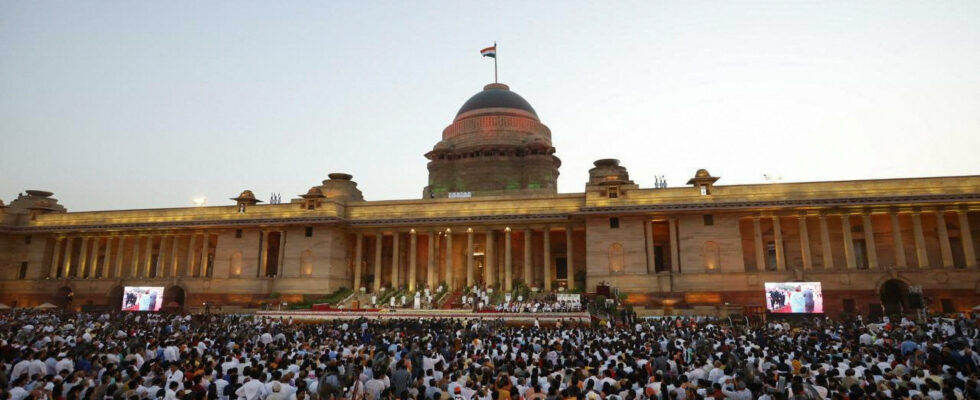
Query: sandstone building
x=491 y=215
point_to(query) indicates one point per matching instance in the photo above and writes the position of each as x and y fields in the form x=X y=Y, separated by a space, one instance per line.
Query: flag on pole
x=489 y=51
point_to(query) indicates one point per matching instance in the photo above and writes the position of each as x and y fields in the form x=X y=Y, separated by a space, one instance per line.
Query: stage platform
x=308 y=315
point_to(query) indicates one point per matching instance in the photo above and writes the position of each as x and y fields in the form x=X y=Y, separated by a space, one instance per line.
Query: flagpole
x=495 y=55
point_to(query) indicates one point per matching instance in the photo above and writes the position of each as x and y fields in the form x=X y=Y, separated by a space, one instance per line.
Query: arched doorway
x=173 y=294
x=116 y=298
x=894 y=296
x=64 y=297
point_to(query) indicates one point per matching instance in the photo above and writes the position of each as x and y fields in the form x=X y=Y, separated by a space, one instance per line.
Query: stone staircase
x=450 y=299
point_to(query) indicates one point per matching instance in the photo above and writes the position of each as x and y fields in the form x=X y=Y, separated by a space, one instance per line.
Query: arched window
x=306 y=263
x=616 y=263
x=712 y=257
x=235 y=265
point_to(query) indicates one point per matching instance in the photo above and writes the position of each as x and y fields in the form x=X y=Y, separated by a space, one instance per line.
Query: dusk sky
x=140 y=104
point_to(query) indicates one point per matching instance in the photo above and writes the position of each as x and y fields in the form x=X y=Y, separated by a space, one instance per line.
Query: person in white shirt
x=175 y=375
x=253 y=389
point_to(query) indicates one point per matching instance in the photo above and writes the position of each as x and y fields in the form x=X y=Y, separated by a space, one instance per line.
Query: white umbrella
x=4 y=306
x=46 y=306
x=976 y=308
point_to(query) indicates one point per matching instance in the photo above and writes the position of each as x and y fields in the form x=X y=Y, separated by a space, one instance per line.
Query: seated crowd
x=538 y=307
x=138 y=356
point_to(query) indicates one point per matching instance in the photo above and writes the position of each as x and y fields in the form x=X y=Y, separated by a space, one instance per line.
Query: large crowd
x=137 y=356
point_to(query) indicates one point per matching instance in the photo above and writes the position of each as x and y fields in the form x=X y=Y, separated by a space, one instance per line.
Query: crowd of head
x=537 y=307
x=136 y=356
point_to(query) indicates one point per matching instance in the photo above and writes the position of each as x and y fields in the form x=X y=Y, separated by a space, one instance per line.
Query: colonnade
x=196 y=247
x=441 y=243
x=867 y=228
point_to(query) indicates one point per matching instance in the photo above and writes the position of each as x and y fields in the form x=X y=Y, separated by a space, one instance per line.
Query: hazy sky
x=146 y=104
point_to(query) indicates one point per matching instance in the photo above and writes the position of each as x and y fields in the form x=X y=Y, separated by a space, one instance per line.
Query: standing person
x=796 y=301
x=808 y=299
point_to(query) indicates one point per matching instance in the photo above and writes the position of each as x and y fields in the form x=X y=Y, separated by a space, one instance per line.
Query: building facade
x=491 y=216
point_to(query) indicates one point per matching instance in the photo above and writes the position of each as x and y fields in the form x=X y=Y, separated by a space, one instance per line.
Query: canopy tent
x=46 y=306
x=4 y=306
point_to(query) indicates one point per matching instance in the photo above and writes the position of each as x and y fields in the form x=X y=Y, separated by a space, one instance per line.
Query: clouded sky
x=123 y=104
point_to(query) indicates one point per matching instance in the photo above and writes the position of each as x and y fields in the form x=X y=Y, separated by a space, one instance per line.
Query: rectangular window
x=709 y=220
x=309 y=231
x=23 y=270
x=561 y=268
x=861 y=254
x=310 y=206
x=704 y=190
x=613 y=192
x=613 y=223
x=238 y=233
x=771 y=264
x=658 y=259
x=27 y=239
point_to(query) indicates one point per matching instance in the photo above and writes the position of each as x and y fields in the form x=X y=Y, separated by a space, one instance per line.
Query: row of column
x=490 y=260
x=141 y=261
x=872 y=252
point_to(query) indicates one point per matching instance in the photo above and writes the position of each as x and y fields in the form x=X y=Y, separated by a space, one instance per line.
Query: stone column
x=675 y=247
x=547 y=258
x=805 y=243
x=489 y=263
x=358 y=257
x=282 y=255
x=137 y=262
x=568 y=255
x=264 y=258
x=189 y=255
x=450 y=285
x=920 y=240
x=53 y=267
x=148 y=258
x=944 y=248
x=83 y=258
x=508 y=262
x=395 y=259
x=69 y=247
x=845 y=222
x=869 y=240
x=966 y=237
x=777 y=231
x=119 y=256
x=93 y=259
x=205 y=247
x=469 y=257
x=174 y=246
x=412 y=259
x=826 y=251
x=648 y=235
x=430 y=272
x=107 y=259
x=760 y=255
x=528 y=275
x=899 y=245
x=378 y=243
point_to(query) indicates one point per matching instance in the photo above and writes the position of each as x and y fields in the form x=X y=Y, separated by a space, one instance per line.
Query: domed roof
x=496 y=95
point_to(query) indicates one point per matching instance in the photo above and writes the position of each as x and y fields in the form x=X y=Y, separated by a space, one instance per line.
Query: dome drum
x=495 y=145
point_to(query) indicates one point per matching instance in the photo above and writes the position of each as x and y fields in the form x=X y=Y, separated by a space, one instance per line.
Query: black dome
x=496 y=95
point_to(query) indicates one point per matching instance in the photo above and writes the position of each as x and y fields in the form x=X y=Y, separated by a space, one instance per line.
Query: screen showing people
x=794 y=297
x=142 y=298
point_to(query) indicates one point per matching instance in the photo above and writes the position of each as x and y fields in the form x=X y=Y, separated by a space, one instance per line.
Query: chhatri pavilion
x=491 y=216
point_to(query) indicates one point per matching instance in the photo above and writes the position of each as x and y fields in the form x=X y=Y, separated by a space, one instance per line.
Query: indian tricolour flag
x=489 y=51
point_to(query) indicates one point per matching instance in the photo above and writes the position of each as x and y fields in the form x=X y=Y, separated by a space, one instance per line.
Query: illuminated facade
x=491 y=215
